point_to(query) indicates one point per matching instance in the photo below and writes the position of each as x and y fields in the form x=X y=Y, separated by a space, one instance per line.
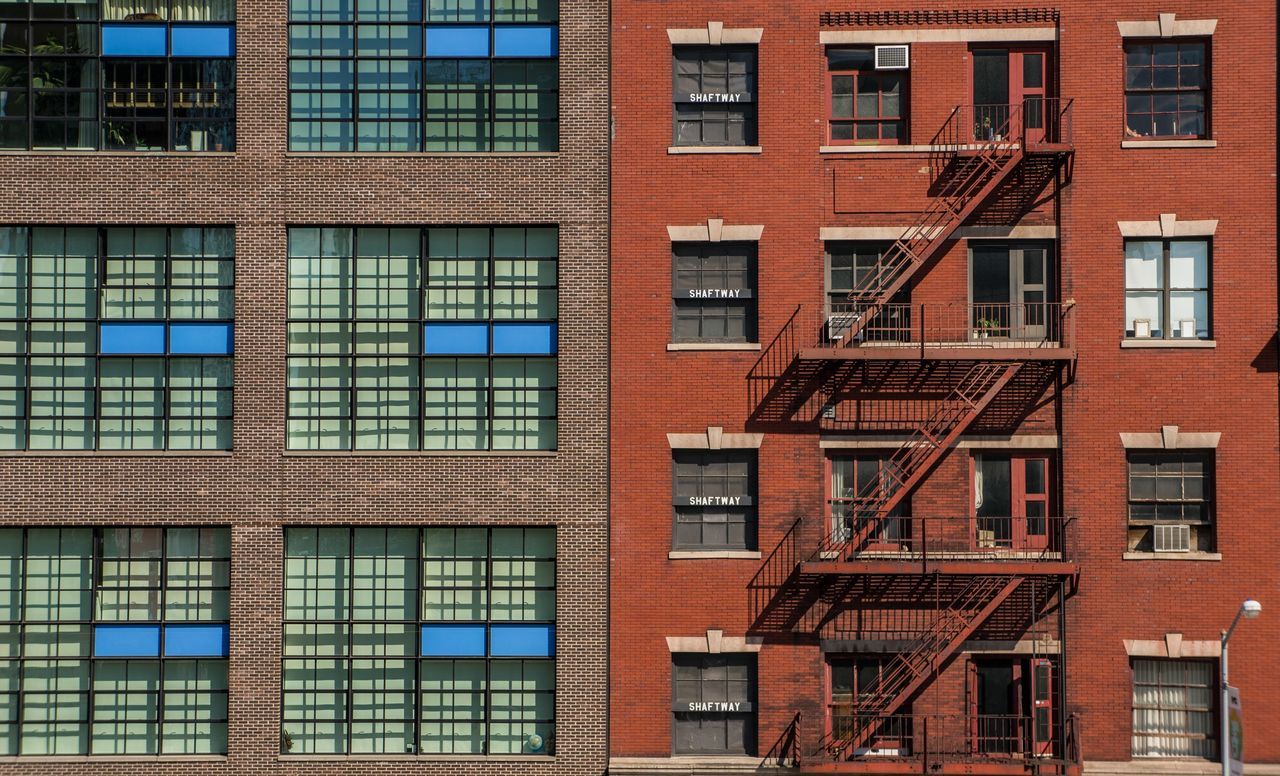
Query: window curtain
x=182 y=10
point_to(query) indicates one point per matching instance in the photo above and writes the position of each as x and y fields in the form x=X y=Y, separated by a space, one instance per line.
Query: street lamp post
x=1248 y=610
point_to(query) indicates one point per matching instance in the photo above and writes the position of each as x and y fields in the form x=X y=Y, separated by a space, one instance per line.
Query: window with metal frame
x=714 y=92
x=379 y=75
x=1175 y=709
x=866 y=106
x=713 y=292
x=436 y=640
x=441 y=338
x=858 y=484
x=714 y=498
x=144 y=75
x=858 y=266
x=856 y=680
x=1167 y=289
x=1166 y=89
x=713 y=703
x=1167 y=488
x=115 y=640
x=116 y=338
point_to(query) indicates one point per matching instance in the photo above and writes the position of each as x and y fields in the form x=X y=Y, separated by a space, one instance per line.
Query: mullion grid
x=97 y=291
x=93 y=666
x=347 y=398
x=417 y=704
x=447 y=90
x=733 y=258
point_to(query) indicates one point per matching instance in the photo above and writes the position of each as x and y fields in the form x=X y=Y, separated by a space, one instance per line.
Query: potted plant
x=985 y=327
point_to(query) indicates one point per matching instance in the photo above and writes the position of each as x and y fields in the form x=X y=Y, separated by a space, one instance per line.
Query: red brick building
x=944 y=376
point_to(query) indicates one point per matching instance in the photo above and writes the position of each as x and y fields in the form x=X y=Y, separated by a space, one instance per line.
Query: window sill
x=1198 y=556
x=1189 y=143
x=115 y=454
x=715 y=150
x=124 y=154
x=713 y=555
x=684 y=764
x=1169 y=343
x=339 y=758
x=115 y=758
x=417 y=154
x=722 y=346
x=419 y=454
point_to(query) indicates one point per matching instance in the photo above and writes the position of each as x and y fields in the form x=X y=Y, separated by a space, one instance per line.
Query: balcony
x=988 y=331
x=1038 y=544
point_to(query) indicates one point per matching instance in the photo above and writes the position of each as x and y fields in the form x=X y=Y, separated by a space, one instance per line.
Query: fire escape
x=949 y=578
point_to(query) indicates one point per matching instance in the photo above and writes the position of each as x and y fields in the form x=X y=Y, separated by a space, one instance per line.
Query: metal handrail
x=989 y=539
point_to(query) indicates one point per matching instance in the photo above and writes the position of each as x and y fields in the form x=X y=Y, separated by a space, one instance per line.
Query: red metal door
x=1042 y=716
x=1030 y=484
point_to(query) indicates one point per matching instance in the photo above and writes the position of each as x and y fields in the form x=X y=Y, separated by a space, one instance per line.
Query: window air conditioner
x=1172 y=538
x=838 y=325
x=891 y=58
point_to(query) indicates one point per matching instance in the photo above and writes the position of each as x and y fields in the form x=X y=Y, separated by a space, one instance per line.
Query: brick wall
x=793 y=190
x=258 y=487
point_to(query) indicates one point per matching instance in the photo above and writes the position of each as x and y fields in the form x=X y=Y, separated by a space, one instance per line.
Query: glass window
x=714 y=498
x=1166 y=88
x=859 y=488
x=117 y=338
x=713 y=704
x=714 y=92
x=1170 y=488
x=1167 y=289
x=422 y=339
x=59 y=88
x=713 y=292
x=396 y=641
x=1175 y=709
x=453 y=76
x=866 y=105
x=63 y=689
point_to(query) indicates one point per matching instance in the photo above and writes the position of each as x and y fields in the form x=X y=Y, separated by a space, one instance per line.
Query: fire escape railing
x=923 y=539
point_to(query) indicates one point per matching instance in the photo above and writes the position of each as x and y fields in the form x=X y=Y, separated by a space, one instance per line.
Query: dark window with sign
x=714 y=92
x=866 y=105
x=1171 y=501
x=1166 y=89
x=713 y=702
x=713 y=292
x=713 y=494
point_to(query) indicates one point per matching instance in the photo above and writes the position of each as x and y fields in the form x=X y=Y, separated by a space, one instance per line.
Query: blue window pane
x=525 y=41
x=453 y=641
x=524 y=339
x=133 y=40
x=126 y=640
x=131 y=339
x=196 y=641
x=455 y=339
x=457 y=41
x=203 y=41
x=522 y=641
x=200 y=339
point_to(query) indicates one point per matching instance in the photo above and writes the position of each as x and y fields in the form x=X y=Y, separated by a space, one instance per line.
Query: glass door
x=1009 y=286
x=1007 y=77
x=1011 y=502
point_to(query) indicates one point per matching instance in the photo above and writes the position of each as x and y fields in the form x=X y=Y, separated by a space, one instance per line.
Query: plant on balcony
x=985 y=327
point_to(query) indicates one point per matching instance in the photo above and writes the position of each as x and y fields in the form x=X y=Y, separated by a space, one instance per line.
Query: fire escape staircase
x=914 y=667
x=783 y=591
x=973 y=173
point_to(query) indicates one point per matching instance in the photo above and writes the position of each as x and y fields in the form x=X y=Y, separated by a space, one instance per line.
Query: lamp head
x=1250 y=609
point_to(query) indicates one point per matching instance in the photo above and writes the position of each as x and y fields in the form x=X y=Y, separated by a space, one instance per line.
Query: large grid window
x=431 y=339
x=1170 y=488
x=713 y=704
x=1175 y=710
x=113 y=640
x=1166 y=89
x=714 y=92
x=714 y=500
x=437 y=640
x=866 y=105
x=442 y=76
x=145 y=75
x=713 y=292
x=116 y=338
x=1167 y=289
